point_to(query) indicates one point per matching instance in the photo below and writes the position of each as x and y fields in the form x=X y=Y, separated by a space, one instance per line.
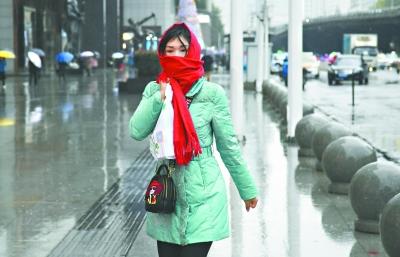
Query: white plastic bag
x=161 y=140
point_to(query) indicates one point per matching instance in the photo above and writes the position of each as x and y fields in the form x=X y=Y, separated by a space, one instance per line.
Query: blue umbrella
x=64 y=57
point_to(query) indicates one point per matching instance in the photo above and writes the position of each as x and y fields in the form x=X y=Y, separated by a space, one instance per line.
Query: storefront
x=37 y=24
x=6 y=30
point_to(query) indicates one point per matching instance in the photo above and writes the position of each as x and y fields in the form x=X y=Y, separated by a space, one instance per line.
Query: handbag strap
x=170 y=167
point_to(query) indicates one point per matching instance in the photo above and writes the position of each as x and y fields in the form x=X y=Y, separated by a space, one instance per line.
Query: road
x=375 y=115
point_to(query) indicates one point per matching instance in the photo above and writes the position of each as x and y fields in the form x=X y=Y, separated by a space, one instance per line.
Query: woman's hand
x=251 y=203
x=163 y=86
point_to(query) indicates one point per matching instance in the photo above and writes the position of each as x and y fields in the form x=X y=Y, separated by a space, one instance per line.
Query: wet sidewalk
x=68 y=171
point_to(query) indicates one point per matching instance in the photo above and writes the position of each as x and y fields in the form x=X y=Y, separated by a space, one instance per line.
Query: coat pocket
x=194 y=184
x=210 y=171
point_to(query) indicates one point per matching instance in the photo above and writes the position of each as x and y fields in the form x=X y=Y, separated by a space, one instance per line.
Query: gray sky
x=278 y=10
x=249 y=7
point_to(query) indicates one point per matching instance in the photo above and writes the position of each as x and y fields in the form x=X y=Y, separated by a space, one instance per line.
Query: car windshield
x=371 y=51
x=348 y=62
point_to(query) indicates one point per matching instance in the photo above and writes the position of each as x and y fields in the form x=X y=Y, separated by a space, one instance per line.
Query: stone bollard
x=390 y=227
x=277 y=94
x=282 y=107
x=366 y=243
x=342 y=159
x=324 y=136
x=280 y=98
x=370 y=189
x=304 y=132
x=308 y=109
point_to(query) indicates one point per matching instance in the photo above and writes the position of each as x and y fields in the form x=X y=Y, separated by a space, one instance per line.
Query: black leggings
x=190 y=250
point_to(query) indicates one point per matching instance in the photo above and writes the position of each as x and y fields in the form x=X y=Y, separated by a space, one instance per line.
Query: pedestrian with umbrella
x=63 y=58
x=34 y=65
x=4 y=54
x=118 y=58
x=87 y=61
x=42 y=56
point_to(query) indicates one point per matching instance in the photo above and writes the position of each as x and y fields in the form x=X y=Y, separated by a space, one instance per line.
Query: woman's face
x=175 y=47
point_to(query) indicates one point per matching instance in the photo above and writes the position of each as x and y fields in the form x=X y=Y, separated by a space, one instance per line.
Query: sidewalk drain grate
x=111 y=225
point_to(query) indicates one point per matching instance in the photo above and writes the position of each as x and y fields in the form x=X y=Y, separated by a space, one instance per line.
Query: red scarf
x=182 y=73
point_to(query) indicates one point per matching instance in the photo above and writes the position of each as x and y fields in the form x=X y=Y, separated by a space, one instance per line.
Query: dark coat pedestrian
x=33 y=73
x=62 y=67
x=208 y=62
x=3 y=65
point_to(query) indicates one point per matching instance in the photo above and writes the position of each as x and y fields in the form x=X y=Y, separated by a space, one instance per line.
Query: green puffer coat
x=201 y=212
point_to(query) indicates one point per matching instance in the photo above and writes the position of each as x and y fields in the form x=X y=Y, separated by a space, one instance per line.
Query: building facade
x=6 y=28
x=26 y=24
x=58 y=25
x=101 y=27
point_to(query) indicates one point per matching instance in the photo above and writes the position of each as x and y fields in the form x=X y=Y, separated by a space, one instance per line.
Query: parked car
x=311 y=64
x=346 y=66
x=383 y=61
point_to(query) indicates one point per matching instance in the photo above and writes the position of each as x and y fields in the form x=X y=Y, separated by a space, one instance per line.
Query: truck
x=365 y=45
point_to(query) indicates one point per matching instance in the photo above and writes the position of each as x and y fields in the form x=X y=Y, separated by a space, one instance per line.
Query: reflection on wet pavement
x=111 y=225
x=69 y=144
x=296 y=216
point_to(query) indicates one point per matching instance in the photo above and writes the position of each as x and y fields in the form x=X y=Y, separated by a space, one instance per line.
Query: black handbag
x=160 y=194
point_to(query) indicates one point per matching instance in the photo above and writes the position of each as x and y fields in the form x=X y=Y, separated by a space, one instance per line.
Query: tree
x=381 y=4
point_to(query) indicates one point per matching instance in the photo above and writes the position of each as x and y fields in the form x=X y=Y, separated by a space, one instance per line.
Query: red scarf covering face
x=182 y=73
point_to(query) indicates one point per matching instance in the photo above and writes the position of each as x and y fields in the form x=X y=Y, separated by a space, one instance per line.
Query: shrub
x=147 y=63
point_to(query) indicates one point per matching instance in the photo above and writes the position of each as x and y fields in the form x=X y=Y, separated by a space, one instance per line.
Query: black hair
x=175 y=32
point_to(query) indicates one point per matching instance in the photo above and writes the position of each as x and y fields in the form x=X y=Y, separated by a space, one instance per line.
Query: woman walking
x=201 y=112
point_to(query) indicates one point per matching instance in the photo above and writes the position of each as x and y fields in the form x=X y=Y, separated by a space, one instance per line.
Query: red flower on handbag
x=153 y=190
